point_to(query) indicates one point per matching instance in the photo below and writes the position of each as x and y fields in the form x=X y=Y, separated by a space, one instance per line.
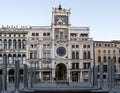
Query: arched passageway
x=11 y=75
x=61 y=72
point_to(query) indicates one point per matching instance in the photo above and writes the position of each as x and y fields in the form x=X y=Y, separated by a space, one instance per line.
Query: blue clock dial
x=61 y=51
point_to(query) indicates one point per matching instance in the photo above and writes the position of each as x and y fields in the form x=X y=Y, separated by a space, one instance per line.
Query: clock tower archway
x=61 y=72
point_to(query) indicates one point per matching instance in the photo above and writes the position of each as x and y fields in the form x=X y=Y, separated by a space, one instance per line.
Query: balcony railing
x=80 y=39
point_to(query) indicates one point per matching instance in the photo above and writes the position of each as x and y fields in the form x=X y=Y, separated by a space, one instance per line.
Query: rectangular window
x=35 y=45
x=88 y=46
x=84 y=46
x=86 y=65
x=31 y=55
x=33 y=34
x=48 y=34
x=108 y=51
x=104 y=51
x=37 y=34
x=73 y=46
x=77 y=46
x=105 y=68
x=73 y=65
x=114 y=52
x=35 y=54
x=44 y=34
x=77 y=65
x=46 y=54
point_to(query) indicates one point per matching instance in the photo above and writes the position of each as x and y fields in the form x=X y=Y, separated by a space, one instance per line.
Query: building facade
x=56 y=52
x=105 y=50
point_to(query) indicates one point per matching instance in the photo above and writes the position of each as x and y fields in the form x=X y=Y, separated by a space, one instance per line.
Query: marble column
x=101 y=75
x=81 y=76
x=113 y=72
x=53 y=75
x=4 y=75
x=68 y=75
x=25 y=73
x=17 y=76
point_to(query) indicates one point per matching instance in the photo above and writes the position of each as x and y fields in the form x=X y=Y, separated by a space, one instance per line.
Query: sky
x=102 y=16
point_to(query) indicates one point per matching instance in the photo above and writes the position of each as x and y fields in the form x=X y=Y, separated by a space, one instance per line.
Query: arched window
x=19 y=59
x=73 y=55
x=99 y=58
x=24 y=59
x=104 y=59
x=77 y=55
x=35 y=54
x=114 y=59
x=1 y=59
x=19 y=44
x=14 y=44
x=84 y=55
x=9 y=59
x=89 y=56
x=37 y=64
x=5 y=44
x=31 y=55
x=14 y=58
x=24 y=44
x=10 y=44
x=109 y=58
x=4 y=58
x=0 y=43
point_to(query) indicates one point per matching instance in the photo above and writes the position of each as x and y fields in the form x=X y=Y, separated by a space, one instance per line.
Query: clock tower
x=61 y=36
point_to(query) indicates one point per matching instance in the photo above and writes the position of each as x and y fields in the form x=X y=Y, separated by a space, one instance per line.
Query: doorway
x=61 y=72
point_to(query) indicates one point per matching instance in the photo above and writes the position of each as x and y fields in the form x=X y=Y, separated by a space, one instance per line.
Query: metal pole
x=4 y=75
x=17 y=76
x=101 y=75
x=25 y=77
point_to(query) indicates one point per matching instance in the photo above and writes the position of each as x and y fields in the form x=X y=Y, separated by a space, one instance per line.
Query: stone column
x=7 y=66
x=7 y=76
x=31 y=76
x=17 y=76
x=53 y=75
x=40 y=75
x=95 y=76
x=109 y=74
x=81 y=77
x=0 y=83
x=25 y=73
x=90 y=74
x=101 y=75
x=68 y=75
x=113 y=72
x=4 y=75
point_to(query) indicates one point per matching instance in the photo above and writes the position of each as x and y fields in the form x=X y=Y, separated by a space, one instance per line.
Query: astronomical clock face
x=61 y=20
x=61 y=51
